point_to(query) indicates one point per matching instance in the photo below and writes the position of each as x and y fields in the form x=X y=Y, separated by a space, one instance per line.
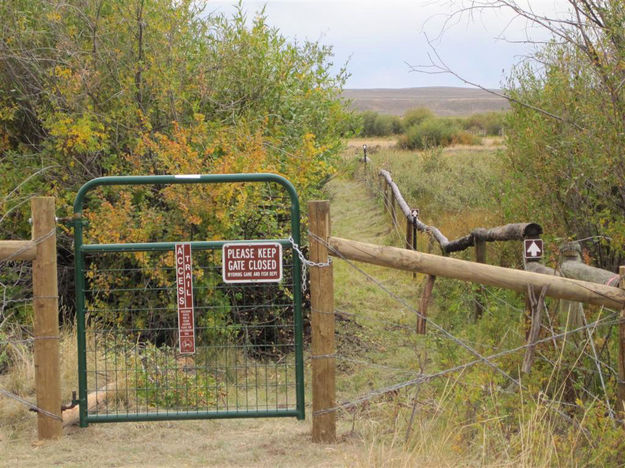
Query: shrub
x=487 y=123
x=374 y=124
x=429 y=133
x=416 y=116
x=162 y=381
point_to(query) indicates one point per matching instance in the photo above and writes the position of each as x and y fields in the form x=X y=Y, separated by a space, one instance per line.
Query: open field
x=443 y=101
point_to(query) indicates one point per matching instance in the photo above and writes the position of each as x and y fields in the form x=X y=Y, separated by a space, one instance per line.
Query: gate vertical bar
x=297 y=296
x=79 y=282
x=322 y=321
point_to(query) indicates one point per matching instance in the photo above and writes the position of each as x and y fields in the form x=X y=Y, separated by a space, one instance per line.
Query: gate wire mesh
x=248 y=356
x=245 y=352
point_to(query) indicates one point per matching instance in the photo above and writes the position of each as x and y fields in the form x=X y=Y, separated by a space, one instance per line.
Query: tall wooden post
x=392 y=207
x=480 y=257
x=45 y=298
x=322 y=322
x=621 y=351
x=409 y=234
x=426 y=297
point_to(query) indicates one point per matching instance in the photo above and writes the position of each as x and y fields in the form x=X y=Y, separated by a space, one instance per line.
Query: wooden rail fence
x=476 y=238
x=435 y=265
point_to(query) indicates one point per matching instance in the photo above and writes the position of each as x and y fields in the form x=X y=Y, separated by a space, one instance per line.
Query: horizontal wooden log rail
x=571 y=266
x=517 y=280
x=508 y=232
x=17 y=250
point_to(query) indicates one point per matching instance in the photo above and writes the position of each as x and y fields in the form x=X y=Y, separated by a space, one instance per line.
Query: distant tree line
x=419 y=128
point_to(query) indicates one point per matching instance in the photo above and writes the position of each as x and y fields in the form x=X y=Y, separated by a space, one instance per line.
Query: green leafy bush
x=435 y=132
x=159 y=87
x=487 y=123
x=162 y=381
x=375 y=124
x=417 y=115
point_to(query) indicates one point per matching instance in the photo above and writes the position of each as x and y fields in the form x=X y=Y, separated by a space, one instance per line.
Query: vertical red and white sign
x=184 y=290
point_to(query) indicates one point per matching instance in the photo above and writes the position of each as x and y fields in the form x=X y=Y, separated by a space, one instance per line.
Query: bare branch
x=440 y=67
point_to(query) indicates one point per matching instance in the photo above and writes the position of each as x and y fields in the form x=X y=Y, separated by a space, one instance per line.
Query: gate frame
x=80 y=249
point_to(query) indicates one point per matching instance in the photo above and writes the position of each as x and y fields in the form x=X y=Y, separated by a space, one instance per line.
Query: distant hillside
x=443 y=101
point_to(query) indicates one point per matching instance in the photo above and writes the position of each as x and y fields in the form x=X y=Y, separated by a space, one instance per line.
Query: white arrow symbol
x=533 y=250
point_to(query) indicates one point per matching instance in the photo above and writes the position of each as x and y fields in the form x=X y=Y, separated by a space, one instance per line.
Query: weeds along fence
x=573 y=283
x=570 y=262
x=323 y=312
x=41 y=251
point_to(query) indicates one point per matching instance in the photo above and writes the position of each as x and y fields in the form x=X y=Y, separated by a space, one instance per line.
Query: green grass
x=475 y=417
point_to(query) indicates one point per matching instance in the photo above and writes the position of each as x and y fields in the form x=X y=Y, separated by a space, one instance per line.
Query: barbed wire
x=550 y=330
x=422 y=378
x=481 y=359
x=402 y=301
x=553 y=364
x=341 y=357
x=338 y=312
x=28 y=340
x=20 y=251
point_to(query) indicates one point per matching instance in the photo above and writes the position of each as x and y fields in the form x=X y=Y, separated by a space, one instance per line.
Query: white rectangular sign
x=533 y=249
x=258 y=262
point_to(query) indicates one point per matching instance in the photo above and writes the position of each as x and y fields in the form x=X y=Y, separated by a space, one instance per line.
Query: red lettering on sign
x=184 y=282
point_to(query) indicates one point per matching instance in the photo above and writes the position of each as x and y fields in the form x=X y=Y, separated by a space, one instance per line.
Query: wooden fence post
x=621 y=350
x=392 y=207
x=46 y=330
x=480 y=257
x=322 y=325
x=426 y=297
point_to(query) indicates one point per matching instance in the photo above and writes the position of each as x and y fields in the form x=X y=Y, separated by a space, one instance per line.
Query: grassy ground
x=470 y=418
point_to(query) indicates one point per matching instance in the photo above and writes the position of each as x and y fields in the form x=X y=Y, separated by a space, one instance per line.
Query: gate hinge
x=73 y=404
x=72 y=220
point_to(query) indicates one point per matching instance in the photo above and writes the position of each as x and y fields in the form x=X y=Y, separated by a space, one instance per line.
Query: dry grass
x=254 y=442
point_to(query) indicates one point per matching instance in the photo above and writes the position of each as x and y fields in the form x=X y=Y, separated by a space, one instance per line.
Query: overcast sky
x=379 y=40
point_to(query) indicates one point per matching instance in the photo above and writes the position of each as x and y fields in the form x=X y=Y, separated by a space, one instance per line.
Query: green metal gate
x=247 y=360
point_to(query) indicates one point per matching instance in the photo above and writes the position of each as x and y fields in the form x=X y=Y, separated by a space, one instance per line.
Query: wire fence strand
x=32 y=406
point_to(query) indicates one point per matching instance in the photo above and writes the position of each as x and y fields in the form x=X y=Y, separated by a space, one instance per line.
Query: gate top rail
x=188 y=179
x=192 y=179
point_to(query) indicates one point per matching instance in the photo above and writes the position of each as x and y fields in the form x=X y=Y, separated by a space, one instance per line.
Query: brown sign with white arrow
x=533 y=249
